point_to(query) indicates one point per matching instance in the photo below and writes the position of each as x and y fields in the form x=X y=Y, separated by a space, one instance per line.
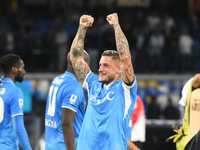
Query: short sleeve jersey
x=65 y=92
x=11 y=104
x=108 y=113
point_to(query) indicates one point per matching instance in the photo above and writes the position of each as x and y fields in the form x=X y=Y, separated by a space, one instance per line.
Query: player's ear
x=118 y=70
x=14 y=70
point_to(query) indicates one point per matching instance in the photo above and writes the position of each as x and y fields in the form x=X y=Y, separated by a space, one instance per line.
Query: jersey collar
x=4 y=79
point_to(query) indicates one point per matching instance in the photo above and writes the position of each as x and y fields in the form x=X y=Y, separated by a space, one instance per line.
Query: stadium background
x=38 y=30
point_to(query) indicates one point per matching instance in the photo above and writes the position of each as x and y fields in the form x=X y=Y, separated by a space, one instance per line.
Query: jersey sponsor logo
x=110 y=96
x=57 y=81
x=93 y=98
x=21 y=103
x=2 y=91
x=50 y=123
x=73 y=98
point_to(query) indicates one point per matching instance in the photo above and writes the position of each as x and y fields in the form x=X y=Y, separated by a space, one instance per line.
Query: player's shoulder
x=68 y=77
x=13 y=92
x=13 y=88
x=17 y=90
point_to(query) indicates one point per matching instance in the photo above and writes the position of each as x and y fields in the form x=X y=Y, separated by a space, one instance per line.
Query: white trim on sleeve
x=17 y=114
x=69 y=108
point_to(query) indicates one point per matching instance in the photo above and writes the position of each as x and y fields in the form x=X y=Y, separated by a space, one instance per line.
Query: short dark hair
x=113 y=53
x=8 y=61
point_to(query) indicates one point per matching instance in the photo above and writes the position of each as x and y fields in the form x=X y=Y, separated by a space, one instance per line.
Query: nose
x=100 y=68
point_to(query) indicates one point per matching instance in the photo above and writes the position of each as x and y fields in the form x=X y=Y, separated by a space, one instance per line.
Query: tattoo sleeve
x=81 y=68
x=127 y=73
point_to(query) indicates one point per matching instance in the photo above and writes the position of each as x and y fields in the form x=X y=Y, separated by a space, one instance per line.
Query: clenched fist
x=86 y=21
x=112 y=19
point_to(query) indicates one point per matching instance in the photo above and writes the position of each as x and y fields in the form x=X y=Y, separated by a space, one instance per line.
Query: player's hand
x=86 y=21
x=112 y=19
x=177 y=136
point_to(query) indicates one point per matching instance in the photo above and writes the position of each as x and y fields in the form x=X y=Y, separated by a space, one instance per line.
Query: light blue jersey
x=108 y=113
x=65 y=92
x=11 y=105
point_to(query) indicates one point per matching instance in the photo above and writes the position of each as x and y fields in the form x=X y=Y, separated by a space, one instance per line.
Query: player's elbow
x=72 y=58
x=67 y=128
x=66 y=124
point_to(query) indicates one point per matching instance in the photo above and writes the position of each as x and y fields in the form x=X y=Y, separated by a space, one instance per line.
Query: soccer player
x=65 y=110
x=12 y=128
x=187 y=136
x=112 y=94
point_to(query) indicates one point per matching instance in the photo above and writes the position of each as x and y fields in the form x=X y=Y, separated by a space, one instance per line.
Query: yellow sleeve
x=180 y=145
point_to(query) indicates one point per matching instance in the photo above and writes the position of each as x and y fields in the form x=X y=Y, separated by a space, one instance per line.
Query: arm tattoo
x=78 y=43
x=76 y=52
x=130 y=70
x=80 y=66
x=81 y=70
x=122 y=43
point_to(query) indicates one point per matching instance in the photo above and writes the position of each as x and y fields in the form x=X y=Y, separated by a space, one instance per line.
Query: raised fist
x=86 y=21
x=112 y=19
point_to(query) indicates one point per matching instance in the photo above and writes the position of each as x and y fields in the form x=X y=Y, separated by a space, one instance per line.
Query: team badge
x=73 y=98
x=21 y=103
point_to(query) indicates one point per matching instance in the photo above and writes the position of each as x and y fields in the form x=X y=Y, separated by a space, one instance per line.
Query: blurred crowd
x=160 y=42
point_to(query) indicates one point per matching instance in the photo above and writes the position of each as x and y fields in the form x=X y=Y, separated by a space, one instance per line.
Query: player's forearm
x=121 y=43
x=77 y=55
x=78 y=43
x=23 y=140
x=127 y=73
x=68 y=133
x=21 y=132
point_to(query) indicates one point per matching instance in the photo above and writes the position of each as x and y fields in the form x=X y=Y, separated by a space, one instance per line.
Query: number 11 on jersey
x=52 y=100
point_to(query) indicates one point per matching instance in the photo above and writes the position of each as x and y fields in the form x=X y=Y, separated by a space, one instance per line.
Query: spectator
x=2 y=41
x=168 y=23
x=61 y=41
x=37 y=52
x=156 y=45
x=171 y=112
x=153 y=20
x=154 y=111
x=22 y=46
x=185 y=49
x=50 y=50
x=194 y=27
x=141 y=55
x=10 y=41
x=170 y=50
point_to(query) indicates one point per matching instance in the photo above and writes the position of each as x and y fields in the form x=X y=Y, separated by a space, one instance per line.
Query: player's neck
x=10 y=76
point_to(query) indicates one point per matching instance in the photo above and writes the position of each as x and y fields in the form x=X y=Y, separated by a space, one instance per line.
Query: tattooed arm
x=127 y=73
x=81 y=68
